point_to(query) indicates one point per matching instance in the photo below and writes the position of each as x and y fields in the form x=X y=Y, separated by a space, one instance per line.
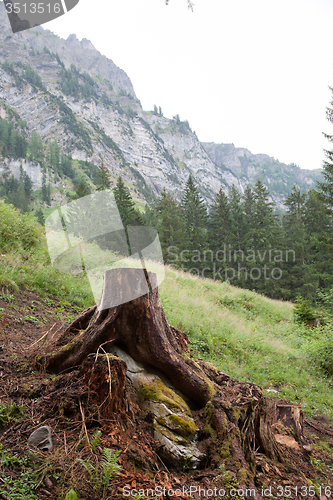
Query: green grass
x=250 y=337
x=246 y=335
x=24 y=260
x=10 y=413
x=17 y=487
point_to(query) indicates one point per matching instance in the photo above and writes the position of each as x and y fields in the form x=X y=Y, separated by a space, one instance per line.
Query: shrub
x=320 y=350
x=303 y=311
x=17 y=230
x=18 y=480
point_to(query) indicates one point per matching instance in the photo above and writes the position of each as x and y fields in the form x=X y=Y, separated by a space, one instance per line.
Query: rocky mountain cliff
x=84 y=101
x=278 y=177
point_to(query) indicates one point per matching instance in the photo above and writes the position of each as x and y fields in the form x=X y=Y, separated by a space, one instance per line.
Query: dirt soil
x=65 y=404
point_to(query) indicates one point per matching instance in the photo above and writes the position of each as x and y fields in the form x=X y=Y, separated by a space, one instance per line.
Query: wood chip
x=287 y=441
x=48 y=483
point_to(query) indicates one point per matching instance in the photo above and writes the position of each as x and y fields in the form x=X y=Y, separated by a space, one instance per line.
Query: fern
x=107 y=468
x=95 y=439
x=88 y=466
x=109 y=464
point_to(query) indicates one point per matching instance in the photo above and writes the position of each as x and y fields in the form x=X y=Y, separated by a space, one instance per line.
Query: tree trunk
x=236 y=410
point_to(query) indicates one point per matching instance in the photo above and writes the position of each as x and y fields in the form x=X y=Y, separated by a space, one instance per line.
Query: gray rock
x=132 y=365
x=174 y=426
x=41 y=438
x=182 y=455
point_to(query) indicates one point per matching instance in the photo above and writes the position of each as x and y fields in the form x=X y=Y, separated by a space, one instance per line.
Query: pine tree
x=12 y=143
x=36 y=146
x=54 y=155
x=6 y=174
x=264 y=219
x=319 y=230
x=249 y=211
x=234 y=255
x=195 y=217
x=66 y=166
x=82 y=189
x=219 y=224
x=170 y=227
x=103 y=178
x=21 y=146
x=150 y=216
x=19 y=199
x=237 y=219
x=266 y=240
x=325 y=187
x=40 y=216
x=299 y=275
x=25 y=179
x=126 y=205
x=44 y=186
x=48 y=194
x=4 y=135
x=128 y=214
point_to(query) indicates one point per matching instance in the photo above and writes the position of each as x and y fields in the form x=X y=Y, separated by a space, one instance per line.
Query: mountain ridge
x=103 y=120
x=249 y=166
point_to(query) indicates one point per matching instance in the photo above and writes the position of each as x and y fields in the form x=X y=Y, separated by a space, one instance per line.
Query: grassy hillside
x=250 y=337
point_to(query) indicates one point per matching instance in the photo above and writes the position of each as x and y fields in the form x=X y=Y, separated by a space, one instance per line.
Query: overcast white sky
x=251 y=72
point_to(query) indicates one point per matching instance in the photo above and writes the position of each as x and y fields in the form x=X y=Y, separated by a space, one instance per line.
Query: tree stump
x=235 y=410
x=292 y=417
x=104 y=375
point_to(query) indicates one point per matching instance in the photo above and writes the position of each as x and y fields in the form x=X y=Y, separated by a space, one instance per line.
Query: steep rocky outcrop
x=149 y=151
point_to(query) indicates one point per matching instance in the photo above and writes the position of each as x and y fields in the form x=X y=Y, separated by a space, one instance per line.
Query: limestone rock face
x=174 y=426
x=149 y=151
x=31 y=168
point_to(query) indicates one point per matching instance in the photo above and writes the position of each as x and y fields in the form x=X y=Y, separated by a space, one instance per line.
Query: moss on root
x=209 y=412
x=160 y=393
x=225 y=450
x=183 y=427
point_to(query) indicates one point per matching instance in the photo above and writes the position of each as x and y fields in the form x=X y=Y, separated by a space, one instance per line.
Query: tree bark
x=236 y=410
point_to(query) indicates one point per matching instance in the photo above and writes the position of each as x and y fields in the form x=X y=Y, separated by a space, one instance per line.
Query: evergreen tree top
x=82 y=189
x=126 y=206
x=103 y=178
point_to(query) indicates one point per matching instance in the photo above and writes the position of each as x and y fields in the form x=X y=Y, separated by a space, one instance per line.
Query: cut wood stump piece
x=292 y=417
x=139 y=327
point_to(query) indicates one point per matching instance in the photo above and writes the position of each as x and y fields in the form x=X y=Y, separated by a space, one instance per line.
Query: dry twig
x=84 y=425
